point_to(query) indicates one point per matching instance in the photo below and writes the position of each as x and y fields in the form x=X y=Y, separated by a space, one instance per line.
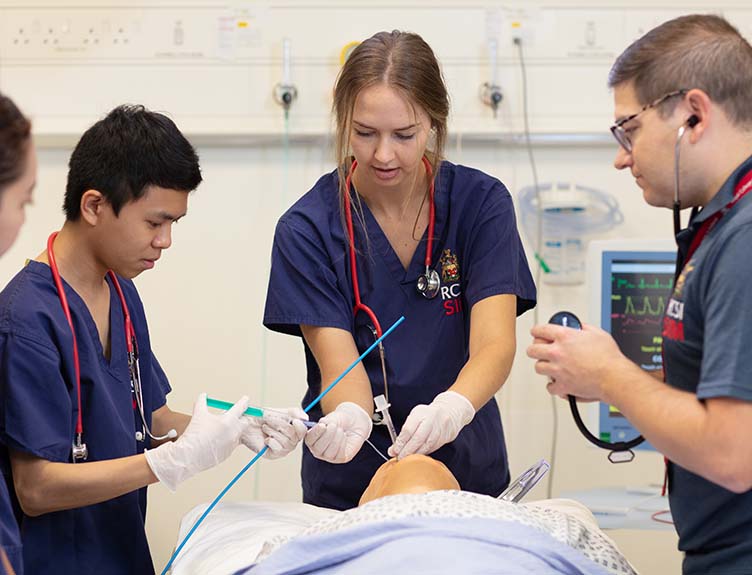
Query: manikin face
x=14 y=199
x=388 y=138
x=413 y=474
x=134 y=240
x=653 y=141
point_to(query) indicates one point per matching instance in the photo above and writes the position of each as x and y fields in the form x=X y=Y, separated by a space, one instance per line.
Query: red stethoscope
x=80 y=451
x=428 y=283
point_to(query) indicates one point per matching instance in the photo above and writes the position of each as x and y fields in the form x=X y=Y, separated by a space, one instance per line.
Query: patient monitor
x=629 y=283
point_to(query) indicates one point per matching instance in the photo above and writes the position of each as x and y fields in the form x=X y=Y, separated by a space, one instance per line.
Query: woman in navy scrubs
x=18 y=169
x=412 y=213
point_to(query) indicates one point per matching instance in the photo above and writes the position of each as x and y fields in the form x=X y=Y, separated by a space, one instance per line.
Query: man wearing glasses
x=683 y=104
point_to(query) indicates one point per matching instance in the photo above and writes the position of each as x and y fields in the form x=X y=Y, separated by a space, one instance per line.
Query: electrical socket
x=521 y=25
x=517 y=29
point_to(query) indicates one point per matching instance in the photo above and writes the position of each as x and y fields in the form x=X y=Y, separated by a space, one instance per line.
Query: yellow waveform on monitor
x=645 y=305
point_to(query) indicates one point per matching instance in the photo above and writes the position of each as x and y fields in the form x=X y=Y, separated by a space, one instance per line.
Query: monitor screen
x=634 y=286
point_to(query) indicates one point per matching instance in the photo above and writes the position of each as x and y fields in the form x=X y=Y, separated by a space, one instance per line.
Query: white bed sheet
x=233 y=534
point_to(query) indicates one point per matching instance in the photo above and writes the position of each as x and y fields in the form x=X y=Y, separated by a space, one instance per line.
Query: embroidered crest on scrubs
x=450 y=267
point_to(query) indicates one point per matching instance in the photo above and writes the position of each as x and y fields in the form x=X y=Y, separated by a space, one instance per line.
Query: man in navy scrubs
x=128 y=183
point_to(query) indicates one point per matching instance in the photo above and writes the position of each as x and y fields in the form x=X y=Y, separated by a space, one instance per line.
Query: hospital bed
x=236 y=535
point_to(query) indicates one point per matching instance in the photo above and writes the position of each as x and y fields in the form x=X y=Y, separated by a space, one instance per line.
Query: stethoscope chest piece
x=79 y=452
x=429 y=283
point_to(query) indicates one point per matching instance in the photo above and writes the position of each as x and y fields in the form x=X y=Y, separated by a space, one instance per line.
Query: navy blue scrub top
x=477 y=252
x=10 y=539
x=38 y=416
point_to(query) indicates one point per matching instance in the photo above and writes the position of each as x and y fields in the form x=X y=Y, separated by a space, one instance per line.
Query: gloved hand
x=208 y=440
x=428 y=427
x=338 y=436
x=280 y=429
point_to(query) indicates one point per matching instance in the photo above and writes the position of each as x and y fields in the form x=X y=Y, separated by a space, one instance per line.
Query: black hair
x=123 y=154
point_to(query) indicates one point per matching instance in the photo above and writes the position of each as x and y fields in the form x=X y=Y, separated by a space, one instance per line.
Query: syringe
x=252 y=411
x=219 y=404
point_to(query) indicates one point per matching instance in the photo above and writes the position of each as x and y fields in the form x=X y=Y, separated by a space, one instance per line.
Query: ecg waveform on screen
x=639 y=292
x=638 y=323
x=655 y=283
x=645 y=305
x=638 y=302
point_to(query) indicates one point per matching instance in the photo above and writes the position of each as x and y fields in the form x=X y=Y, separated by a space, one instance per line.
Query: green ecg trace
x=646 y=309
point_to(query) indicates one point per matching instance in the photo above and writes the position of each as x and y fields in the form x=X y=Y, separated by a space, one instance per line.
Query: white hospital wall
x=205 y=299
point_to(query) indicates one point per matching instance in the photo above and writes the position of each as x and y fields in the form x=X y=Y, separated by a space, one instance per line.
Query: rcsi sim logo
x=450 y=280
x=673 y=322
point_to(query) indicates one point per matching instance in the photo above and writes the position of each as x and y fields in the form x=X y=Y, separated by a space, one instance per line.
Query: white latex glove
x=338 y=436
x=428 y=427
x=208 y=440
x=280 y=429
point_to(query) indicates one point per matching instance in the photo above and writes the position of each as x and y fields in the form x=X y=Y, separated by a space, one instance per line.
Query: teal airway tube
x=308 y=408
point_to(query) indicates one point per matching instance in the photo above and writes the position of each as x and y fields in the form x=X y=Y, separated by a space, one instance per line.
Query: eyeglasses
x=621 y=134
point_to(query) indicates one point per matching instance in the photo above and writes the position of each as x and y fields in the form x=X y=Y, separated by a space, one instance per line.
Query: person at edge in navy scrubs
x=18 y=169
x=683 y=95
x=454 y=351
x=128 y=183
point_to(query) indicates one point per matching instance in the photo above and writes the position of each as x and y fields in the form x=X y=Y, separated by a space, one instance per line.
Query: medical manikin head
x=412 y=474
x=18 y=168
x=692 y=76
x=400 y=67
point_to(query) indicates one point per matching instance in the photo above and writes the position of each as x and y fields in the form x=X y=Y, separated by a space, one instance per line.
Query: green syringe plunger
x=219 y=404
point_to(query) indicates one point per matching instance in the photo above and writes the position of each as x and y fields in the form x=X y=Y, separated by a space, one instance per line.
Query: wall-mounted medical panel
x=214 y=65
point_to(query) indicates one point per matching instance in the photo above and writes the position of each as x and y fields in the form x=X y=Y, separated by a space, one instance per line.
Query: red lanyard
x=741 y=190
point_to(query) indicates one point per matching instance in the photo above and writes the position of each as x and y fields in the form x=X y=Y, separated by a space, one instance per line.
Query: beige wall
x=205 y=298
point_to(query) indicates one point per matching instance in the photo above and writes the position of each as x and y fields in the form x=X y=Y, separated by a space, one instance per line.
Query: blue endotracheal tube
x=258 y=456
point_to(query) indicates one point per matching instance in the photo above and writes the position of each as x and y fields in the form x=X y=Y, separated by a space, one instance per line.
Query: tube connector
x=382 y=407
